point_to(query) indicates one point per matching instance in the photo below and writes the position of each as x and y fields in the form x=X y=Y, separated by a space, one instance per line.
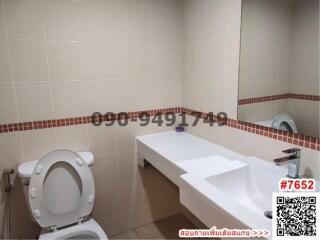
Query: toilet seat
x=61 y=190
x=284 y=122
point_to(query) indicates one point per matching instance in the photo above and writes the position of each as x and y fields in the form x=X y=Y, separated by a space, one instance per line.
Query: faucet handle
x=292 y=151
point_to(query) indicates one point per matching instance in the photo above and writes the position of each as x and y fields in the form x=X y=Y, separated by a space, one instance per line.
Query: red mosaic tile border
x=278 y=97
x=296 y=139
x=304 y=97
x=27 y=126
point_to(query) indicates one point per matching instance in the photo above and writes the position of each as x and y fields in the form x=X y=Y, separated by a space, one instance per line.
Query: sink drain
x=268 y=214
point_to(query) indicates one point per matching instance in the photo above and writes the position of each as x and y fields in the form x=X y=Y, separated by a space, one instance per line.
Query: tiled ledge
x=278 y=97
x=296 y=139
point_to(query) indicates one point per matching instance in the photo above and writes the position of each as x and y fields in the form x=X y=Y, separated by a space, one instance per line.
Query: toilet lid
x=284 y=122
x=61 y=190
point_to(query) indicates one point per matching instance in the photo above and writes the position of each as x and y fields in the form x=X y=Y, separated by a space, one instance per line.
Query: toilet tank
x=26 y=169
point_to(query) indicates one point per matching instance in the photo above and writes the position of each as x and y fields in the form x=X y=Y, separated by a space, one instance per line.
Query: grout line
x=44 y=32
x=12 y=76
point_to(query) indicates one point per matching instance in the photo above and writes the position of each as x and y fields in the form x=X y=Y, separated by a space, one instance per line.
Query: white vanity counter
x=221 y=187
x=170 y=152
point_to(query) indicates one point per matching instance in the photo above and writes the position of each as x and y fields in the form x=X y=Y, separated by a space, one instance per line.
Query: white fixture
x=221 y=187
x=167 y=149
x=241 y=195
x=282 y=121
x=60 y=192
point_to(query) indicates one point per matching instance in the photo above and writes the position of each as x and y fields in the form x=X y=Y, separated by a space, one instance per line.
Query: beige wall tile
x=128 y=165
x=131 y=194
x=124 y=60
x=69 y=99
x=102 y=139
x=8 y=108
x=213 y=95
x=64 y=61
x=122 y=23
x=126 y=136
x=73 y=137
x=129 y=91
x=167 y=61
x=152 y=3
x=60 y=20
x=37 y=143
x=105 y=169
x=97 y=60
x=34 y=101
x=111 y=223
x=171 y=93
x=197 y=19
x=158 y=25
x=107 y=201
x=137 y=217
x=151 y=95
x=10 y=148
x=5 y=71
x=2 y=25
x=24 y=18
x=28 y=60
x=101 y=96
x=92 y=20
x=161 y=60
x=127 y=2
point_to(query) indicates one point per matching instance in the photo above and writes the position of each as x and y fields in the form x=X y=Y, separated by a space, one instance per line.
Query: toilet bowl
x=60 y=192
x=87 y=230
x=282 y=121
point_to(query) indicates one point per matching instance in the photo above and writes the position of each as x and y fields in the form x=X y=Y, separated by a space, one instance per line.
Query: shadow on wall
x=3 y=213
x=161 y=195
x=22 y=226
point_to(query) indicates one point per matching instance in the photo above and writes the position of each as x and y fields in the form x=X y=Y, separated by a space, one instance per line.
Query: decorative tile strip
x=304 y=97
x=27 y=126
x=278 y=97
x=296 y=139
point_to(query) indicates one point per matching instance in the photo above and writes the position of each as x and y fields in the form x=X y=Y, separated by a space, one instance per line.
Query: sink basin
x=238 y=196
x=252 y=186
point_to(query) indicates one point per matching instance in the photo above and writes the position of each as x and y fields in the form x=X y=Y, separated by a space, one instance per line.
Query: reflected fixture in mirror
x=279 y=65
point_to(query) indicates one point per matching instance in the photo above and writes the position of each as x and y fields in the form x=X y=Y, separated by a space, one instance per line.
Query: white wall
x=305 y=76
x=65 y=58
x=206 y=81
x=280 y=54
x=210 y=54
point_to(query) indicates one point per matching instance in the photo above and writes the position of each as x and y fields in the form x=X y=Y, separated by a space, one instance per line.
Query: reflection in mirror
x=279 y=65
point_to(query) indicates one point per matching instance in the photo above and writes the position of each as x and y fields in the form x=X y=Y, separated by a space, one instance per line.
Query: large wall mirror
x=279 y=65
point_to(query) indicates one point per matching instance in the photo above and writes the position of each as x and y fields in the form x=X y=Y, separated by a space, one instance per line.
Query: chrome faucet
x=293 y=161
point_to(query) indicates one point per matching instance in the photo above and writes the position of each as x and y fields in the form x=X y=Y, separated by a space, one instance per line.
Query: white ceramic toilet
x=60 y=192
x=282 y=121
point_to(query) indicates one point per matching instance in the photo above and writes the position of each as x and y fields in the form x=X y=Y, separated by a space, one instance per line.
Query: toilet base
x=87 y=230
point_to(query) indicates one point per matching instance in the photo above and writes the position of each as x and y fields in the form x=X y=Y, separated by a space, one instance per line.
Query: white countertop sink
x=243 y=191
x=221 y=187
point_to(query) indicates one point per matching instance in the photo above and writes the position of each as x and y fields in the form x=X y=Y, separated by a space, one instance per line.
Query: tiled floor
x=164 y=229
